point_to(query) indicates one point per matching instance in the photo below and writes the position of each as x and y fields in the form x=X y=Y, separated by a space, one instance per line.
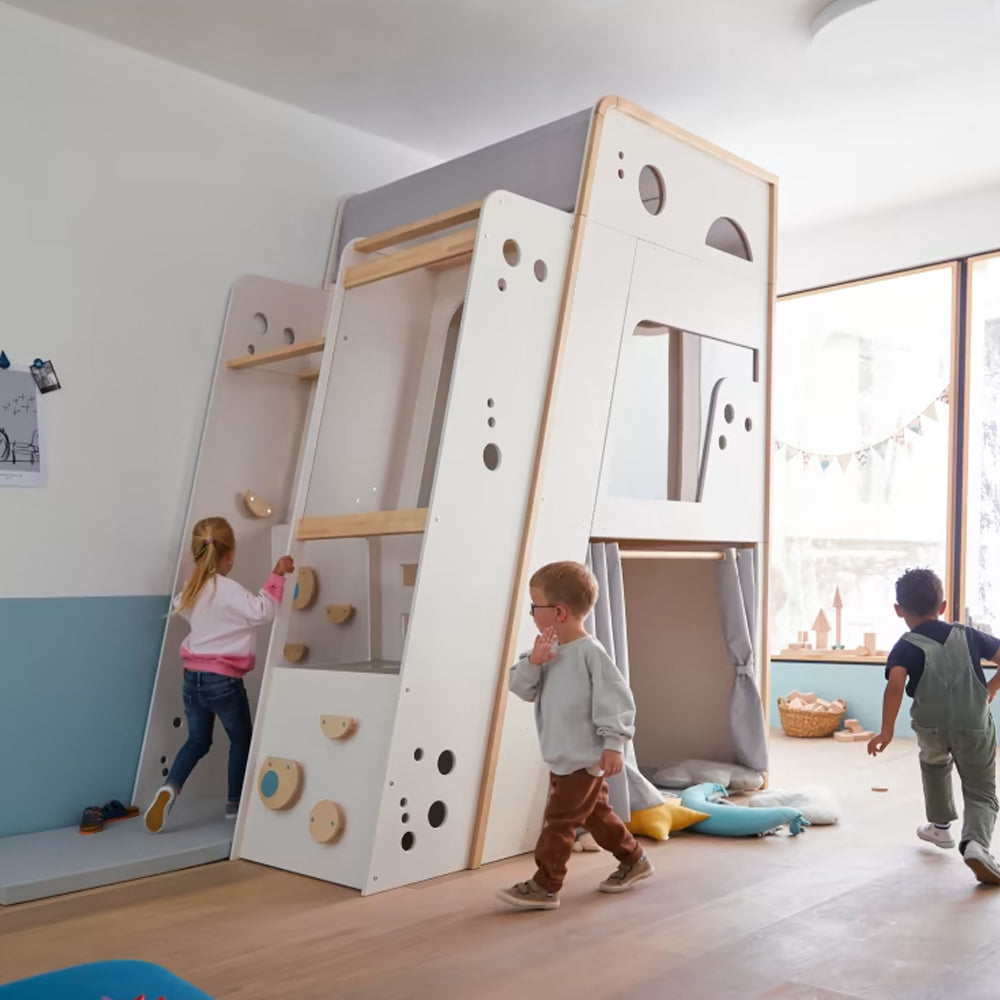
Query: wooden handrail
x=278 y=354
x=422 y=227
x=409 y=521
x=436 y=251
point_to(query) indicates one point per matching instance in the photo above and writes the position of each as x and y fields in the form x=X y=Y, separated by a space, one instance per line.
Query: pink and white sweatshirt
x=223 y=619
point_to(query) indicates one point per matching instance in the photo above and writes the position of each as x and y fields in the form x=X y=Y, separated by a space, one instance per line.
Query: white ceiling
x=448 y=76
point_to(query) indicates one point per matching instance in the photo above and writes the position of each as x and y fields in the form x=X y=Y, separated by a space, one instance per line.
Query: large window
x=860 y=474
x=982 y=483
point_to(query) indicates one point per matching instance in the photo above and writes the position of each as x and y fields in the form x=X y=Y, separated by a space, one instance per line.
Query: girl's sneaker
x=936 y=835
x=232 y=810
x=156 y=814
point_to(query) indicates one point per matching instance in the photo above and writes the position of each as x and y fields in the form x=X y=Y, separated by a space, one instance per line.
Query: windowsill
x=830 y=656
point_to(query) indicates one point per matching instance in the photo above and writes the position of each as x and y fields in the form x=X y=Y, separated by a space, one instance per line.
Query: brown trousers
x=575 y=800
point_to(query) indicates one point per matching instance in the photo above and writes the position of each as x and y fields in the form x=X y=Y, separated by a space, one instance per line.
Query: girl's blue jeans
x=206 y=696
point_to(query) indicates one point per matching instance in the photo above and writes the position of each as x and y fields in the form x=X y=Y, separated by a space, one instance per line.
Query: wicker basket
x=798 y=722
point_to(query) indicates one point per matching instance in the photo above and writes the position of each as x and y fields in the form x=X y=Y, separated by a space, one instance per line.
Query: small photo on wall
x=45 y=377
x=22 y=445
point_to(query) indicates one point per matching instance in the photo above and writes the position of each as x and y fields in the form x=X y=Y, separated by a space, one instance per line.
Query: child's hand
x=284 y=565
x=611 y=762
x=878 y=743
x=542 y=651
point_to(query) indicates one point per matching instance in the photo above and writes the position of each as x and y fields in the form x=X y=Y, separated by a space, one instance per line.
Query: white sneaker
x=156 y=814
x=936 y=836
x=982 y=864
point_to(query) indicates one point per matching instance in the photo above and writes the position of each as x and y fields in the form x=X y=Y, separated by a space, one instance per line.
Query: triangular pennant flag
x=791 y=453
x=863 y=457
x=945 y=396
x=931 y=410
x=824 y=462
x=899 y=437
x=916 y=427
x=805 y=459
x=845 y=461
x=778 y=446
x=881 y=448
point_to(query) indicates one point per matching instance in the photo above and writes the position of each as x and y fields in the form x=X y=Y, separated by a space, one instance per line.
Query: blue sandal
x=95 y=817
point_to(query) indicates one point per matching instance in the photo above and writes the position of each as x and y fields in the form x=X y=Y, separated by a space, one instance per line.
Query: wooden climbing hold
x=295 y=652
x=306 y=586
x=338 y=727
x=256 y=504
x=279 y=782
x=340 y=613
x=326 y=822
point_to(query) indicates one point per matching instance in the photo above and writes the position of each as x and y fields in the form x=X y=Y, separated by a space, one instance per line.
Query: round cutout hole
x=258 y=324
x=407 y=840
x=402 y=803
x=446 y=761
x=729 y=413
x=541 y=270
x=177 y=723
x=748 y=424
x=251 y=349
x=489 y=402
x=437 y=814
x=621 y=154
x=165 y=772
x=491 y=457
x=406 y=817
x=163 y=760
x=491 y=422
x=722 y=441
x=652 y=193
x=289 y=334
x=502 y=284
x=511 y=252
x=621 y=175
x=418 y=754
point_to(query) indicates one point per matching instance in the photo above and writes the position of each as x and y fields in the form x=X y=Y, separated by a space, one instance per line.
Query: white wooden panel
x=250 y=441
x=703 y=296
x=472 y=540
x=699 y=188
x=347 y=771
x=370 y=397
x=578 y=424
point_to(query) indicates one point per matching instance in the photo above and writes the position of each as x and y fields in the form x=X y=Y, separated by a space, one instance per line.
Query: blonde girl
x=217 y=654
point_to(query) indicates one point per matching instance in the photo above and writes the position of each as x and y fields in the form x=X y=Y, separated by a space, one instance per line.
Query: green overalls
x=952 y=721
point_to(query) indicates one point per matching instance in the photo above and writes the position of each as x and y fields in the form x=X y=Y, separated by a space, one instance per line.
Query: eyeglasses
x=535 y=607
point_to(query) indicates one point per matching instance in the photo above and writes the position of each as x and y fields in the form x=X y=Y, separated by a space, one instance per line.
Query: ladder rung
x=422 y=227
x=278 y=354
x=436 y=251
x=377 y=522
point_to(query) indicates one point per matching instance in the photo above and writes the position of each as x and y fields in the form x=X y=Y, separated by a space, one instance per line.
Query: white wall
x=133 y=193
x=952 y=226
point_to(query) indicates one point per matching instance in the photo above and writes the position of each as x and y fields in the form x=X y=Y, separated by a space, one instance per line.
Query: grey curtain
x=736 y=576
x=628 y=791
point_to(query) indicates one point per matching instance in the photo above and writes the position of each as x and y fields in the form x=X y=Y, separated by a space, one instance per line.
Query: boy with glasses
x=585 y=713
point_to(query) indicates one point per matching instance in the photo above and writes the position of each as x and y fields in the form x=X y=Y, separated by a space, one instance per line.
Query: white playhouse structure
x=571 y=364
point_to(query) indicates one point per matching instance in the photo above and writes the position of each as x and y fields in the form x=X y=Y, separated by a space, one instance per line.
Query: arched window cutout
x=726 y=235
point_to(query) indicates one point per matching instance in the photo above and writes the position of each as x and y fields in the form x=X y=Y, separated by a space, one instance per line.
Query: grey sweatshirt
x=583 y=705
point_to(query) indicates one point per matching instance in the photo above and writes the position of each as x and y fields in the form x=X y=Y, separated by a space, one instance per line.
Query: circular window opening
x=446 y=761
x=652 y=193
x=511 y=252
x=729 y=413
x=491 y=457
x=259 y=324
x=722 y=441
x=541 y=270
x=407 y=841
x=748 y=424
x=289 y=334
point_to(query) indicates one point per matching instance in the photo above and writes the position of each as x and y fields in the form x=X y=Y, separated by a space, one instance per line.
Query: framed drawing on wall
x=22 y=453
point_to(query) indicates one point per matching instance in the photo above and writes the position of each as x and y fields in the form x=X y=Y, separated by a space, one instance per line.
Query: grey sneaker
x=529 y=896
x=156 y=815
x=982 y=864
x=627 y=875
x=935 y=835
x=232 y=810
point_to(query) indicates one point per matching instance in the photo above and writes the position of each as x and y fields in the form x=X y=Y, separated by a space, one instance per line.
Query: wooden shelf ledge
x=422 y=227
x=377 y=522
x=278 y=354
x=437 y=251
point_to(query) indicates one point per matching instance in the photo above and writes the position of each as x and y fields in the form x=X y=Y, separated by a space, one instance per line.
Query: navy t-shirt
x=906 y=654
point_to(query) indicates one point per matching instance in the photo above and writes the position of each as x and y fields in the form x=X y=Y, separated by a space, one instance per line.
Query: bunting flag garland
x=881 y=448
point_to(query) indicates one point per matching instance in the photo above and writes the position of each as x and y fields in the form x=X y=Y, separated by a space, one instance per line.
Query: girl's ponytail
x=211 y=540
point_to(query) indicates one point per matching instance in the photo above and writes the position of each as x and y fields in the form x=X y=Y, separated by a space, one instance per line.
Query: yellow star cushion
x=660 y=821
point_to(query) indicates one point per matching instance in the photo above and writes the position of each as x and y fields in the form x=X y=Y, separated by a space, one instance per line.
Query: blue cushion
x=119 y=980
x=728 y=820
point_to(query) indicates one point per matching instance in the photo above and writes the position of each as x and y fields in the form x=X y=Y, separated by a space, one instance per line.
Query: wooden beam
x=377 y=522
x=309 y=374
x=422 y=227
x=278 y=354
x=436 y=251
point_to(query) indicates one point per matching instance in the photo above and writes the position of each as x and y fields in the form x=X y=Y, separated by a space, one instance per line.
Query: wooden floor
x=862 y=909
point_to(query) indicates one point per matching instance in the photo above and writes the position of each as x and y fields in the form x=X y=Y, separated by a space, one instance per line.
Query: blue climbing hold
x=268 y=784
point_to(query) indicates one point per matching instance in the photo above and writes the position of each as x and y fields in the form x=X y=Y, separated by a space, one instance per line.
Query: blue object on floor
x=118 y=980
x=728 y=820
